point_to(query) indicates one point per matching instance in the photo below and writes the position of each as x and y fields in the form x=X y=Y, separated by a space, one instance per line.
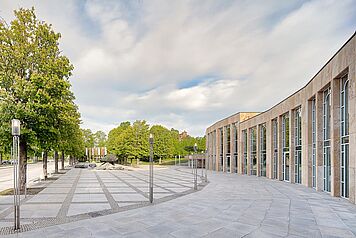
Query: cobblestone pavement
x=83 y=193
x=229 y=206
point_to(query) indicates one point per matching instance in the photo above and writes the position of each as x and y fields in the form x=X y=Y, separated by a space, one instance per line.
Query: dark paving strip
x=167 y=189
x=130 y=185
x=65 y=206
x=38 y=223
x=167 y=181
x=113 y=204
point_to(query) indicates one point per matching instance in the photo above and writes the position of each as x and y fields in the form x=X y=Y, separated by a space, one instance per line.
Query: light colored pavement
x=229 y=206
x=34 y=172
x=85 y=193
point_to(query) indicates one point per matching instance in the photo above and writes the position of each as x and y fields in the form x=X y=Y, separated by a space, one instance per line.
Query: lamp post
x=15 y=126
x=151 y=168
x=195 y=168
x=205 y=167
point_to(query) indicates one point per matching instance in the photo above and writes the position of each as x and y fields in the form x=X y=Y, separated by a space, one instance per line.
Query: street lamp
x=151 y=169
x=195 y=167
x=15 y=126
x=205 y=163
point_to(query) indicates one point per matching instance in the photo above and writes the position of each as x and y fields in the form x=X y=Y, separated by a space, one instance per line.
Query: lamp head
x=195 y=147
x=15 y=126
x=151 y=138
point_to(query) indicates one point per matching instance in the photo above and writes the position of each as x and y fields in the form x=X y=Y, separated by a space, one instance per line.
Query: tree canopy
x=130 y=141
x=35 y=87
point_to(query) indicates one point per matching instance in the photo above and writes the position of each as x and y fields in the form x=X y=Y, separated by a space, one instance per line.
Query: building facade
x=309 y=138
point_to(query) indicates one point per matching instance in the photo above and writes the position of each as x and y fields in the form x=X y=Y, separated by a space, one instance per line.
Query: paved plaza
x=84 y=193
x=229 y=206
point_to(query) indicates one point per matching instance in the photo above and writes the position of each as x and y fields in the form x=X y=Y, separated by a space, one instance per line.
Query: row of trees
x=130 y=141
x=35 y=88
x=97 y=139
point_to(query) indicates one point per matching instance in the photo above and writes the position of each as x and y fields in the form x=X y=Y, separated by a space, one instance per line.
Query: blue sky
x=186 y=64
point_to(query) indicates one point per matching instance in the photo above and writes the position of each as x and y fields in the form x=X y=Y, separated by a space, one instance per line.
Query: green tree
x=140 y=139
x=34 y=83
x=163 y=142
x=100 y=139
x=88 y=136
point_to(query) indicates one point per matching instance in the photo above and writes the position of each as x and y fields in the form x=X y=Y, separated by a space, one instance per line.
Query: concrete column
x=307 y=144
x=280 y=149
x=258 y=149
x=248 y=164
x=291 y=145
x=224 y=150
x=352 y=132
x=335 y=138
x=217 y=149
x=241 y=152
x=269 y=154
x=232 y=142
x=319 y=140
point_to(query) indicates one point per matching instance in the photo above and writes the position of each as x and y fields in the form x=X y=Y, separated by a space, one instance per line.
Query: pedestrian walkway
x=230 y=205
x=83 y=193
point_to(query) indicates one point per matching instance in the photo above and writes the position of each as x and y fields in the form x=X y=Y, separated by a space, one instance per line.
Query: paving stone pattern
x=83 y=192
x=229 y=206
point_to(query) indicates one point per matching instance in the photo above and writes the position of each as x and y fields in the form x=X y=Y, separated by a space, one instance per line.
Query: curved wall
x=306 y=155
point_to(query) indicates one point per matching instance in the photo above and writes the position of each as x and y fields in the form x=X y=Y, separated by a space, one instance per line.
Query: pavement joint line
x=109 y=197
x=130 y=185
x=38 y=223
x=65 y=206
x=154 y=184
x=165 y=180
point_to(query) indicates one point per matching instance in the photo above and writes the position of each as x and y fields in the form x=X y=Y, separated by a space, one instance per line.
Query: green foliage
x=131 y=141
x=35 y=86
x=100 y=139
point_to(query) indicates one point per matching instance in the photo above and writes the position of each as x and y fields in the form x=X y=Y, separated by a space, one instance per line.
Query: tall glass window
x=244 y=145
x=236 y=147
x=214 y=150
x=285 y=145
x=298 y=145
x=344 y=134
x=313 y=107
x=275 y=147
x=228 y=148
x=326 y=137
x=221 y=149
x=253 y=151
x=263 y=148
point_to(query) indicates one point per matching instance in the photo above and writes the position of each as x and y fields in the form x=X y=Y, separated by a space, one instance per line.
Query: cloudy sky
x=187 y=64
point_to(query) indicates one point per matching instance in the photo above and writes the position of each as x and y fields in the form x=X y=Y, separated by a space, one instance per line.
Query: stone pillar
x=269 y=149
x=352 y=132
x=291 y=146
x=217 y=149
x=224 y=149
x=335 y=138
x=240 y=155
x=258 y=149
x=307 y=144
x=248 y=164
x=280 y=149
x=232 y=152
x=319 y=140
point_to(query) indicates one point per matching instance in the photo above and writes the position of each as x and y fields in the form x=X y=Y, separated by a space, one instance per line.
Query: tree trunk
x=62 y=161
x=45 y=157
x=56 y=156
x=23 y=165
x=0 y=158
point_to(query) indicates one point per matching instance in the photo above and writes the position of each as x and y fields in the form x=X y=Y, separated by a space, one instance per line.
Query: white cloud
x=131 y=58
